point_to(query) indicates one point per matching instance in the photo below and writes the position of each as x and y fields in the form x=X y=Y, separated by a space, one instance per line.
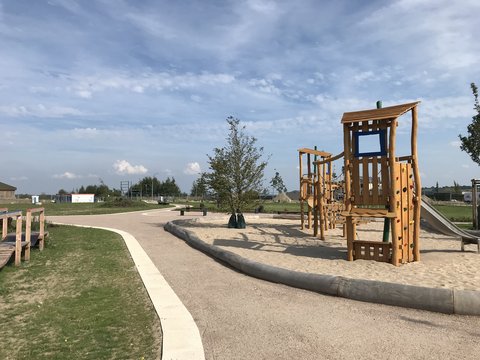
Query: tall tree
x=237 y=169
x=277 y=183
x=471 y=143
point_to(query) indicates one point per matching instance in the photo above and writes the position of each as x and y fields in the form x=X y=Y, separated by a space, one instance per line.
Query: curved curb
x=449 y=301
x=180 y=335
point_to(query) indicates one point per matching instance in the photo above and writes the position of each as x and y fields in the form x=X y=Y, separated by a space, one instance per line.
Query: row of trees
x=151 y=186
x=100 y=191
x=148 y=186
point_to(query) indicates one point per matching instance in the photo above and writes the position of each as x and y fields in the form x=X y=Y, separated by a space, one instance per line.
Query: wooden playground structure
x=377 y=184
x=19 y=242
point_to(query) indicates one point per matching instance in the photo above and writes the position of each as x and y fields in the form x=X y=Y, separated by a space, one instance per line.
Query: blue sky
x=118 y=90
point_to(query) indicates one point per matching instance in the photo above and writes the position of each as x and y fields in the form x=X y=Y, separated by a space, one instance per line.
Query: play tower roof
x=391 y=112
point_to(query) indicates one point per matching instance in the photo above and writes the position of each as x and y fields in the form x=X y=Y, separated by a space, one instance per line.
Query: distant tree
x=236 y=170
x=62 y=192
x=471 y=143
x=277 y=183
x=169 y=188
x=90 y=189
x=81 y=190
x=436 y=188
x=199 y=187
x=456 y=187
x=146 y=185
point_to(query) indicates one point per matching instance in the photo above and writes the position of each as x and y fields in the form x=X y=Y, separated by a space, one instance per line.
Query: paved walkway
x=240 y=317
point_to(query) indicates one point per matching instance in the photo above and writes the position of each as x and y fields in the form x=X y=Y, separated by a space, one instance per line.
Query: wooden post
x=28 y=234
x=321 y=199
x=41 y=238
x=418 y=188
x=309 y=191
x=350 y=231
x=301 y=201
x=474 y=204
x=4 y=227
x=393 y=189
x=18 y=239
x=346 y=141
x=316 y=193
x=386 y=221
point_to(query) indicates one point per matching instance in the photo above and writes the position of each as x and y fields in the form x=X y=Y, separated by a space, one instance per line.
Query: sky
x=115 y=90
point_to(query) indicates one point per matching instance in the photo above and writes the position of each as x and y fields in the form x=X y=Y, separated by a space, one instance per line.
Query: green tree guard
x=241 y=222
x=232 y=222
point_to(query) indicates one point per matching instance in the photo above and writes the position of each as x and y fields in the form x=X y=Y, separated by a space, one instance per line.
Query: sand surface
x=281 y=242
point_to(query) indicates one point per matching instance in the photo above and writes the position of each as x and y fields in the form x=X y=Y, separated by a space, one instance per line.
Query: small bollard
x=204 y=212
x=182 y=212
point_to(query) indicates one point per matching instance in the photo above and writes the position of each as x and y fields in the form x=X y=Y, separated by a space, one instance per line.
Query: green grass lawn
x=109 y=207
x=459 y=213
x=268 y=206
x=80 y=298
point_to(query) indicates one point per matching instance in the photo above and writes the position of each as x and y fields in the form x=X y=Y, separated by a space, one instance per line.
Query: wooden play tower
x=309 y=186
x=378 y=184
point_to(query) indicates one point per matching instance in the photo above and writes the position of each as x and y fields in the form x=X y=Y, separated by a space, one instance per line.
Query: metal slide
x=445 y=226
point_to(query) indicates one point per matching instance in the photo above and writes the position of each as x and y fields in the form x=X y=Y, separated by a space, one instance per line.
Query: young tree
x=277 y=183
x=471 y=143
x=236 y=169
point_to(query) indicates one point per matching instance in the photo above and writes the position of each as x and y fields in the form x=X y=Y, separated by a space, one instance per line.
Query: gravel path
x=241 y=317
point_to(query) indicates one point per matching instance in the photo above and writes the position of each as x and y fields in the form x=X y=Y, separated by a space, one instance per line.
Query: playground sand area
x=281 y=243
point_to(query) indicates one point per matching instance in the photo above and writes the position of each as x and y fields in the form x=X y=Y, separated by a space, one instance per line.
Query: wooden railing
x=28 y=230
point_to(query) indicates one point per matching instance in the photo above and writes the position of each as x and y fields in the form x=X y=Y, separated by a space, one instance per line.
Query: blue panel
x=382 y=135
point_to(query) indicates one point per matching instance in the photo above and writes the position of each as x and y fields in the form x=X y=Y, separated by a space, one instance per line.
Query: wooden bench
x=21 y=241
x=193 y=209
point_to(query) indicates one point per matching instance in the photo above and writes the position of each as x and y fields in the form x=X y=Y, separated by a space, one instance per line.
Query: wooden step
x=6 y=252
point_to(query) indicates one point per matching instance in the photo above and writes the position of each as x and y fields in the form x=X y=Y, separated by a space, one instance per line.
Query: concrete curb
x=180 y=335
x=448 y=301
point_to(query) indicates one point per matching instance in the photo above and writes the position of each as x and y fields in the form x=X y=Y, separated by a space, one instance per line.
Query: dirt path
x=241 y=317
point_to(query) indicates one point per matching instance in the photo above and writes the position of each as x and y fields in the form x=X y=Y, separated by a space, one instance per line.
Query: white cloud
x=84 y=94
x=86 y=86
x=465 y=166
x=262 y=6
x=38 y=110
x=455 y=143
x=124 y=167
x=366 y=75
x=196 y=98
x=20 y=178
x=85 y=133
x=192 y=168
x=441 y=29
x=66 y=175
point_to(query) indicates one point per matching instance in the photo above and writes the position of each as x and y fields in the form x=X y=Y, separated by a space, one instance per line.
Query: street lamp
x=152 y=183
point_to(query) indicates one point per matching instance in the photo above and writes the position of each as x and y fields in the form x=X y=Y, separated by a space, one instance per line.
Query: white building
x=83 y=198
